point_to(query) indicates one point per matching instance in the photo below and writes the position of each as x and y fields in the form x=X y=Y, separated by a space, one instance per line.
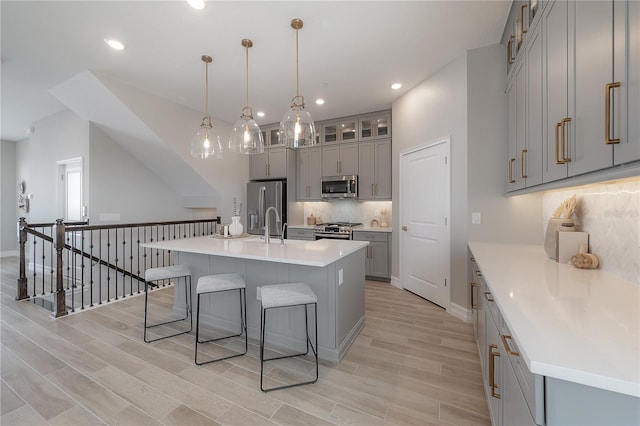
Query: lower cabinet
x=516 y=396
x=378 y=254
x=300 y=234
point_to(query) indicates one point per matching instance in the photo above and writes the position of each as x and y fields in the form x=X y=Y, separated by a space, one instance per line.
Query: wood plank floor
x=412 y=364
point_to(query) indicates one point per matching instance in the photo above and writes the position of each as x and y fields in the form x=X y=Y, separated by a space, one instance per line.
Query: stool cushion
x=279 y=295
x=166 y=272
x=221 y=282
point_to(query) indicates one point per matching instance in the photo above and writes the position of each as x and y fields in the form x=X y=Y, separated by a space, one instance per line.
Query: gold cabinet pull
x=492 y=370
x=372 y=192
x=558 y=160
x=479 y=273
x=506 y=345
x=565 y=159
x=522 y=162
x=474 y=305
x=511 y=179
x=607 y=113
x=510 y=49
x=522 y=8
x=487 y=295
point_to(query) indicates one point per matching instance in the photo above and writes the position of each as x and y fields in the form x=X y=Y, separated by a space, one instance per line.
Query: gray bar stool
x=285 y=296
x=174 y=272
x=213 y=284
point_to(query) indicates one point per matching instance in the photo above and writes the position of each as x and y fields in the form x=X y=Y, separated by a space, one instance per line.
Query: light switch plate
x=476 y=218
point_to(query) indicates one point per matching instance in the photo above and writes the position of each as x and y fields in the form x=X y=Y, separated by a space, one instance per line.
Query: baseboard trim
x=460 y=312
x=9 y=253
x=395 y=281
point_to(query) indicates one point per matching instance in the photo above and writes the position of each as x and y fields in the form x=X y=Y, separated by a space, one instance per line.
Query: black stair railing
x=74 y=265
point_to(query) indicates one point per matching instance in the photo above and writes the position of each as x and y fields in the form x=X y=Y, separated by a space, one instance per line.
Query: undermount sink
x=274 y=240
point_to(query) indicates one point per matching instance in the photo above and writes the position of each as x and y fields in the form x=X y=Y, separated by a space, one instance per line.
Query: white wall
x=121 y=184
x=58 y=137
x=436 y=108
x=504 y=219
x=8 y=199
x=466 y=100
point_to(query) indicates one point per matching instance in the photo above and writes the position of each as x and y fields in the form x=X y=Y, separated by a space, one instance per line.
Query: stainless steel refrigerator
x=261 y=196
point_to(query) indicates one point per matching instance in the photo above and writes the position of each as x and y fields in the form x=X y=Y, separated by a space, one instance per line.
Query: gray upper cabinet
x=272 y=164
x=374 y=180
x=375 y=126
x=516 y=132
x=340 y=160
x=627 y=69
x=599 y=36
x=531 y=157
x=558 y=124
x=343 y=130
x=309 y=173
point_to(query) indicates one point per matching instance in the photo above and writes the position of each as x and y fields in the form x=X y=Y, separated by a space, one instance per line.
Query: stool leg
x=242 y=296
x=188 y=313
x=263 y=322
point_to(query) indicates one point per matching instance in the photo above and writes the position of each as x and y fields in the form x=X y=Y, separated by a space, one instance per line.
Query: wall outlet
x=340 y=277
x=476 y=218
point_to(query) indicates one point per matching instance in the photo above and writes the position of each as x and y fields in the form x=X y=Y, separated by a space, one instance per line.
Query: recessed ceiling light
x=196 y=4
x=396 y=86
x=114 y=44
x=260 y=114
x=319 y=101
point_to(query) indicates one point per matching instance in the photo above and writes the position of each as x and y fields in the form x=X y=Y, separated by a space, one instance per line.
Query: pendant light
x=246 y=136
x=206 y=143
x=297 y=128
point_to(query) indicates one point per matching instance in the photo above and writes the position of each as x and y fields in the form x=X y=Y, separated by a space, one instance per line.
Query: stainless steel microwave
x=340 y=186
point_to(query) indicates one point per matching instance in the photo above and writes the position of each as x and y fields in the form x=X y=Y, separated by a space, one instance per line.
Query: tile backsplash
x=610 y=213
x=347 y=210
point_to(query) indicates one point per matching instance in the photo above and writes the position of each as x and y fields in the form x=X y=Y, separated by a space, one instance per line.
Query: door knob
x=404 y=227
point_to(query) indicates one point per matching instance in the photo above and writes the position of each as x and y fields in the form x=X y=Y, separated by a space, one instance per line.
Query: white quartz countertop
x=571 y=324
x=371 y=229
x=311 y=253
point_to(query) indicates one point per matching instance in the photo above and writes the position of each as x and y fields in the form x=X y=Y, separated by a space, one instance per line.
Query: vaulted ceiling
x=350 y=52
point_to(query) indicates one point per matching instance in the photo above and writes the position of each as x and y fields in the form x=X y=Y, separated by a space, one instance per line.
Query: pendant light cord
x=246 y=50
x=297 y=67
x=206 y=89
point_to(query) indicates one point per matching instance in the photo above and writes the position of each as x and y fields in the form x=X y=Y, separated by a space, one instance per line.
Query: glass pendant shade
x=246 y=137
x=297 y=128
x=206 y=143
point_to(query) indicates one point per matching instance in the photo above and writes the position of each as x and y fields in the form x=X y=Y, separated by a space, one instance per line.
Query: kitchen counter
x=318 y=253
x=372 y=229
x=334 y=269
x=581 y=326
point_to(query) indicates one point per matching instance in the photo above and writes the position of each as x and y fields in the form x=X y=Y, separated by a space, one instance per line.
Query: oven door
x=332 y=236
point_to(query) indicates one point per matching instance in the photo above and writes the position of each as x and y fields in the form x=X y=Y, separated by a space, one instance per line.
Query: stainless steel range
x=335 y=230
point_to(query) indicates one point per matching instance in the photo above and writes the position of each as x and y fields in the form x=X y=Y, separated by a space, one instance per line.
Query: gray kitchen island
x=334 y=269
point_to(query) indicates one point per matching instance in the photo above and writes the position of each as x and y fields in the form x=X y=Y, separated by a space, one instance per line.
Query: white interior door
x=424 y=217
x=70 y=205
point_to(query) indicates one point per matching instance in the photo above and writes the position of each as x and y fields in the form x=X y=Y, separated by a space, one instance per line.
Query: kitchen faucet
x=267 y=230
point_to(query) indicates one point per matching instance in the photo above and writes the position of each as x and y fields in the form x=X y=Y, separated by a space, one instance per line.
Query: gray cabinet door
x=593 y=71
x=556 y=49
x=626 y=68
x=309 y=169
x=331 y=160
x=366 y=175
x=277 y=167
x=302 y=174
x=515 y=410
x=348 y=159
x=258 y=165
x=378 y=260
x=315 y=173
x=534 y=95
x=516 y=116
x=493 y=374
x=382 y=169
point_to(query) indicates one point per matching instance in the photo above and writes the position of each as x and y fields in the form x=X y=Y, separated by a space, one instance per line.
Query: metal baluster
x=91 y=269
x=116 y=255
x=108 y=269
x=51 y=280
x=131 y=260
x=43 y=264
x=72 y=275
x=100 y=268
x=35 y=274
x=124 y=262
